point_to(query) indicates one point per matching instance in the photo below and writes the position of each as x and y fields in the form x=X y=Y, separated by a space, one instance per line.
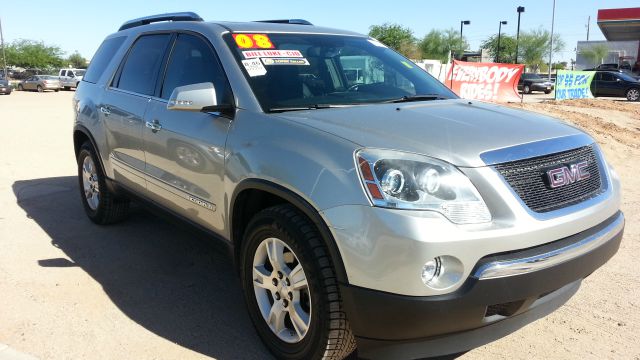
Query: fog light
x=442 y=272
x=431 y=270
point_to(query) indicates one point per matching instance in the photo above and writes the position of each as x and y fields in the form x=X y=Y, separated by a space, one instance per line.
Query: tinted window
x=192 y=62
x=102 y=58
x=608 y=77
x=140 y=70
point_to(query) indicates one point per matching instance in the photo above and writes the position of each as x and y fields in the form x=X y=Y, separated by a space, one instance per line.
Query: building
x=621 y=28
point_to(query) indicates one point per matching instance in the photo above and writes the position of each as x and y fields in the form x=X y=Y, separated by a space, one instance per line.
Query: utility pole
x=4 y=56
x=520 y=10
x=553 y=20
x=499 y=33
x=588 y=24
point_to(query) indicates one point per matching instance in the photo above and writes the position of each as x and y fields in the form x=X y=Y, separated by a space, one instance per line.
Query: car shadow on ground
x=173 y=281
x=167 y=277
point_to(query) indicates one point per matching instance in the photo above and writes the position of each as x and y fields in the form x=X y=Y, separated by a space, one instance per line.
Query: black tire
x=526 y=89
x=67 y=88
x=329 y=336
x=56 y=90
x=40 y=89
x=20 y=87
x=633 y=94
x=110 y=209
x=547 y=91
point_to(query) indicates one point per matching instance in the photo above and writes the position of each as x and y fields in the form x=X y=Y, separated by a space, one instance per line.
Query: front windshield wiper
x=301 y=108
x=410 y=98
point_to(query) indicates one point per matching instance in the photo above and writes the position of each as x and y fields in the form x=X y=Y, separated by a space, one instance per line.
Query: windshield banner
x=574 y=84
x=485 y=81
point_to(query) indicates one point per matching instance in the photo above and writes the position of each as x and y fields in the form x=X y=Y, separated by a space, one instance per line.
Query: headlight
x=401 y=180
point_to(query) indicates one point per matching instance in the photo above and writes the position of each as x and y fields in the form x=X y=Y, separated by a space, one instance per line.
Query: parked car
x=5 y=87
x=613 y=66
x=70 y=78
x=615 y=84
x=530 y=82
x=40 y=83
x=379 y=211
x=620 y=71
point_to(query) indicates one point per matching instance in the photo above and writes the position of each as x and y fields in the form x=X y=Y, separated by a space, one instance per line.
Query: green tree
x=437 y=44
x=595 y=54
x=397 y=37
x=77 y=61
x=560 y=65
x=533 y=48
x=33 y=54
x=507 y=48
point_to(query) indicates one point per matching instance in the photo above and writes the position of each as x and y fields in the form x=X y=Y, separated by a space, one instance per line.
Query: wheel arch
x=253 y=195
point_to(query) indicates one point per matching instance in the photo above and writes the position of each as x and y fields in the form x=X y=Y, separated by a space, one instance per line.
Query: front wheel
x=20 y=88
x=633 y=94
x=40 y=89
x=291 y=289
x=526 y=89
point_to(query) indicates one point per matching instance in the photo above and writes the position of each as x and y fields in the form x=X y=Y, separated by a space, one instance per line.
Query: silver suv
x=366 y=205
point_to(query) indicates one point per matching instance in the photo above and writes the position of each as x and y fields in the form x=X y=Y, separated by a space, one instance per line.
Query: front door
x=184 y=150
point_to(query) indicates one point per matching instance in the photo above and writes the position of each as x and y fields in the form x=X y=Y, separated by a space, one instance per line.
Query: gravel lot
x=148 y=289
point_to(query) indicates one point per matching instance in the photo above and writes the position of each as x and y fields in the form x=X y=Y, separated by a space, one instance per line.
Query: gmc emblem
x=568 y=175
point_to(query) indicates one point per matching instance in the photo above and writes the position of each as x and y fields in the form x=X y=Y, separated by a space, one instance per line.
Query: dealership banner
x=485 y=81
x=573 y=84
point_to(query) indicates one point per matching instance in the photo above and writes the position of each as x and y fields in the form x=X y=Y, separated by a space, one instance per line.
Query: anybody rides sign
x=485 y=81
x=573 y=84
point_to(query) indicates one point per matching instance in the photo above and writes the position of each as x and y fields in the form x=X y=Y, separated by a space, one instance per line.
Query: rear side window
x=102 y=58
x=192 y=62
x=140 y=70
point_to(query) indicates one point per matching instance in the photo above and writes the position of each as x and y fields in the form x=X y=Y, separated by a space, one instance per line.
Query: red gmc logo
x=568 y=175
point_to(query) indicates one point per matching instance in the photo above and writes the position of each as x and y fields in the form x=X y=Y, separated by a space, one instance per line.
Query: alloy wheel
x=281 y=290
x=90 y=183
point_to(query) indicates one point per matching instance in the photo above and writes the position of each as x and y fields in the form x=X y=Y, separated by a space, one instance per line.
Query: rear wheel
x=100 y=204
x=547 y=91
x=633 y=94
x=526 y=89
x=40 y=89
x=291 y=289
x=20 y=87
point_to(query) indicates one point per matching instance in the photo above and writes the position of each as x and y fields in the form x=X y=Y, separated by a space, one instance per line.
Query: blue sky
x=82 y=25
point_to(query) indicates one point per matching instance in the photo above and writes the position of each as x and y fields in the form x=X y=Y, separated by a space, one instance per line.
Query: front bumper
x=480 y=311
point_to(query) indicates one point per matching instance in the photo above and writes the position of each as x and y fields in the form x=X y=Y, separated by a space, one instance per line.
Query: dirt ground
x=148 y=289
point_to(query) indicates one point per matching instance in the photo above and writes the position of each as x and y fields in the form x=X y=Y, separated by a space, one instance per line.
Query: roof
x=265 y=27
x=620 y=24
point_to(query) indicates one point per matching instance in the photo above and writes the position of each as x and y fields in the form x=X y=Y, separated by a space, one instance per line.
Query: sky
x=82 y=25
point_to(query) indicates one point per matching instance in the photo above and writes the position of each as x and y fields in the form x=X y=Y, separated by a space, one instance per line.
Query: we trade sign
x=485 y=81
x=573 y=84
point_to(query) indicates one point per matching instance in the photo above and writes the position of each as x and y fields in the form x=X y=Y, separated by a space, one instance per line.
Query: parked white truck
x=70 y=78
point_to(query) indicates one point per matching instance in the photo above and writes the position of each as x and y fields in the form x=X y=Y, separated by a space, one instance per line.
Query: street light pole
x=499 y=34
x=553 y=20
x=462 y=23
x=520 y=10
x=4 y=56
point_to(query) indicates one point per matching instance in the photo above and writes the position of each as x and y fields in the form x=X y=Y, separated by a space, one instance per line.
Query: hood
x=456 y=131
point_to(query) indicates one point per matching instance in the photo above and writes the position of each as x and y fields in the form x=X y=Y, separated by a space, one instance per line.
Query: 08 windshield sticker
x=285 y=61
x=254 y=67
x=271 y=54
x=253 y=41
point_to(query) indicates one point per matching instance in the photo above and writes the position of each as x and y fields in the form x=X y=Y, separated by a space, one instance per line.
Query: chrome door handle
x=154 y=126
x=105 y=110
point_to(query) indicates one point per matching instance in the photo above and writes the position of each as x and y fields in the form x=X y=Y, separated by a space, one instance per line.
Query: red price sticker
x=253 y=41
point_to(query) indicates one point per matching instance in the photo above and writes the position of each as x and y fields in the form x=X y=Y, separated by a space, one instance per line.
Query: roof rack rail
x=287 y=21
x=177 y=16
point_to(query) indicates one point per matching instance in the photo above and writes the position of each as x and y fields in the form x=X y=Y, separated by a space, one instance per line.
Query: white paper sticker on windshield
x=285 y=61
x=377 y=43
x=271 y=54
x=254 y=67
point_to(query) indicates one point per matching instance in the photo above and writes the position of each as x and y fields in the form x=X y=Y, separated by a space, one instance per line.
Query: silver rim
x=90 y=183
x=633 y=95
x=281 y=290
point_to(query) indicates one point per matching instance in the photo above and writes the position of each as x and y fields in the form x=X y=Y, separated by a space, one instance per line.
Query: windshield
x=312 y=71
x=627 y=77
x=532 y=76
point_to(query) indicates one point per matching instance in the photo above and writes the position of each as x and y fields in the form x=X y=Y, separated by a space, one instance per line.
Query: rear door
x=123 y=106
x=185 y=152
x=604 y=84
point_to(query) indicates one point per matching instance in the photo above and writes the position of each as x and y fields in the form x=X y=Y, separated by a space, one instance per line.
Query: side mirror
x=195 y=97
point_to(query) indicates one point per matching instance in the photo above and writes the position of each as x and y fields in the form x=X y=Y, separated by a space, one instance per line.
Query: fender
x=113 y=187
x=303 y=205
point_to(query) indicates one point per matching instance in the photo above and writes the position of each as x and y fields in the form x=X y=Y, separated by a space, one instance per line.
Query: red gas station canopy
x=620 y=24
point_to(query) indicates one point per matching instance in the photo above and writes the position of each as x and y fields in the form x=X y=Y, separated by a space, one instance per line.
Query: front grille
x=528 y=179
